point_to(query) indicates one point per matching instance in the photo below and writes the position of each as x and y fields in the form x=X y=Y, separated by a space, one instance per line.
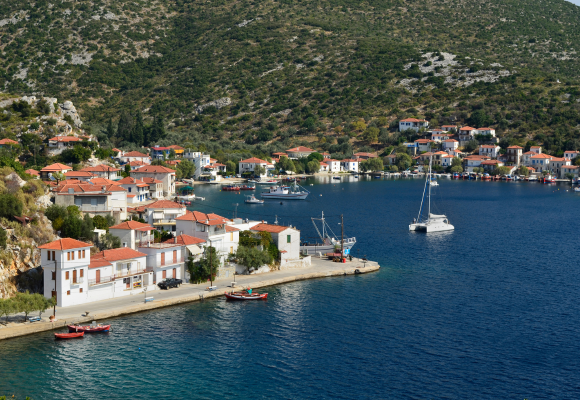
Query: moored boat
x=286 y=192
x=89 y=328
x=246 y=187
x=246 y=295
x=252 y=200
x=73 y=335
x=329 y=240
x=230 y=188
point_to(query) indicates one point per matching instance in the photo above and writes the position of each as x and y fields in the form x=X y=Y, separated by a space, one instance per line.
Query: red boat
x=69 y=335
x=89 y=328
x=230 y=188
x=246 y=296
x=245 y=187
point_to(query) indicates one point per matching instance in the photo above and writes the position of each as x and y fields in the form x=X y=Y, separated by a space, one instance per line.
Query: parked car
x=169 y=283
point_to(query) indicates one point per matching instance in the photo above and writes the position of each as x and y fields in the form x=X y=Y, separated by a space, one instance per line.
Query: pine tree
x=125 y=126
x=137 y=136
x=110 y=129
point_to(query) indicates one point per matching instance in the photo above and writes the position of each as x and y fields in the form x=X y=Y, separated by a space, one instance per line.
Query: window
x=48 y=253
x=54 y=275
x=288 y=238
x=80 y=290
x=124 y=244
x=66 y=275
x=83 y=253
x=72 y=255
x=53 y=256
x=129 y=190
x=79 y=255
x=81 y=273
x=68 y=256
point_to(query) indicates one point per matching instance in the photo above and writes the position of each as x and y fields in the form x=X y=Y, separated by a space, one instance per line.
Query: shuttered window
x=68 y=256
x=83 y=253
x=66 y=275
x=82 y=273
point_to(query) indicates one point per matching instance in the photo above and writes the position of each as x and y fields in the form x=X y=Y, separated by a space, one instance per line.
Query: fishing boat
x=549 y=179
x=89 y=328
x=246 y=295
x=252 y=200
x=286 y=192
x=230 y=188
x=246 y=187
x=329 y=241
x=73 y=335
x=434 y=222
x=271 y=181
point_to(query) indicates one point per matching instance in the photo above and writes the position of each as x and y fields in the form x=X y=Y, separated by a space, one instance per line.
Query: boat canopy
x=437 y=216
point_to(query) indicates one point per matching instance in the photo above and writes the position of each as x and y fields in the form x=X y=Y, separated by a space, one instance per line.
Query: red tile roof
x=7 y=141
x=254 y=160
x=56 y=167
x=300 y=149
x=451 y=140
x=423 y=141
x=65 y=244
x=78 y=174
x=185 y=240
x=484 y=129
x=149 y=169
x=64 y=139
x=32 y=172
x=99 y=263
x=164 y=204
x=365 y=155
x=133 y=226
x=175 y=147
x=102 y=181
x=269 y=228
x=413 y=120
x=488 y=146
x=136 y=163
x=202 y=217
x=515 y=147
x=150 y=181
x=541 y=156
x=467 y=128
x=100 y=168
x=135 y=154
x=230 y=228
x=123 y=253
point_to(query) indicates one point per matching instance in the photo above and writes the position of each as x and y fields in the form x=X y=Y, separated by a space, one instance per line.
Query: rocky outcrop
x=219 y=103
x=67 y=108
x=23 y=260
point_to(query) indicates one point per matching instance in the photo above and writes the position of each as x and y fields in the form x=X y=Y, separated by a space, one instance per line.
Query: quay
x=105 y=309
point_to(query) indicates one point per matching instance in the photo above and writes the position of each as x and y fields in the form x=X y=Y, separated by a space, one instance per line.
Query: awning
x=157 y=215
x=193 y=249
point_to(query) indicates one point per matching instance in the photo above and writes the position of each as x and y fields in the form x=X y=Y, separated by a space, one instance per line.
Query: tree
x=72 y=227
x=471 y=145
x=185 y=169
x=87 y=228
x=315 y=157
x=457 y=169
x=42 y=303
x=10 y=206
x=523 y=170
x=59 y=176
x=403 y=161
x=100 y=222
x=359 y=125
x=138 y=132
x=230 y=167
x=110 y=131
x=375 y=164
x=125 y=126
x=209 y=263
x=3 y=238
x=26 y=303
x=371 y=135
x=108 y=241
x=76 y=155
x=577 y=161
x=55 y=211
x=480 y=119
x=252 y=258
x=312 y=167
x=259 y=170
x=285 y=164
x=7 y=307
x=456 y=162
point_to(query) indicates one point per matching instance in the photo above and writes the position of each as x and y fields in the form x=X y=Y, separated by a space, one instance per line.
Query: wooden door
x=74 y=276
x=98 y=280
x=175 y=273
x=163 y=259
x=164 y=274
x=174 y=256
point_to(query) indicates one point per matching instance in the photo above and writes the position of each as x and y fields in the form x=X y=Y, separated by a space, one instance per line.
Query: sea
x=489 y=310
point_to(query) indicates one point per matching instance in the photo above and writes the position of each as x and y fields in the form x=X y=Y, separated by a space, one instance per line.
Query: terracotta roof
x=560 y=159
x=300 y=149
x=136 y=163
x=530 y=152
x=449 y=126
x=160 y=148
x=128 y=181
x=102 y=181
x=100 y=168
x=202 y=217
x=175 y=147
x=254 y=160
x=32 y=172
x=541 y=156
x=133 y=226
x=490 y=162
x=78 y=173
x=451 y=140
x=571 y=151
x=64 y=139
x=130 y=196
x=467 y=128
x=116 y=149
x=269 y=228
x=83 y=187
x=436 y=130
x=230 y=228
x=56 y=167
x=535 y=147
x=153 y=169
x=515 y=147
x=164 y=204
x=423 y=141
x=64 y=244
x=488 y=146
x=123 y=253
x=134 y=154
x=280 y=154
x=8 y=141
x=366 y=155
x=185 y=240
x=150 y=181
x=99 y=263
x=413 y=120
x=484 y=129
x=570 y=166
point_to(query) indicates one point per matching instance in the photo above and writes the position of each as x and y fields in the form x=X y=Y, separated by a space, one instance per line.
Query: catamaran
x=329 y=243
x=434 y=222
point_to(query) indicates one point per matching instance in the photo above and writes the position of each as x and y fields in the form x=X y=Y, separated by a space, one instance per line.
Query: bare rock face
x=67 y=108
x=219 y=103
x=14 y=181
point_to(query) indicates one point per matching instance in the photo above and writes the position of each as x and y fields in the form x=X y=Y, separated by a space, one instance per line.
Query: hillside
x=270 y=71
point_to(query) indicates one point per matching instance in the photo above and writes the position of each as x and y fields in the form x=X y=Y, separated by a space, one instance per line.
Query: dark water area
x=490 y=310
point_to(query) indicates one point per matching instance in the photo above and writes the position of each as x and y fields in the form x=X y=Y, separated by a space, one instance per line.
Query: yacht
x=293 y=192
x=434 y=222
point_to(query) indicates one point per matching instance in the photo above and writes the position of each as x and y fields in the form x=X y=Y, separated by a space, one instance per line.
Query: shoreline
x=187 y=293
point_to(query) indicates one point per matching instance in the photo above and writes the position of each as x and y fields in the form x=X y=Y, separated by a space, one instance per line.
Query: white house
x=102 y=171
x=323 y=167
x=333 y=165
x=556 y=164
x=137 y=190
x=155 y=187
x=536 y=149
x=162 y=214
x=74 y=277
x=570 y=154
x=423 y=144
x=446 y=160
x=93 y=199
x=58 y=144
x=132 y=233
x=570 y=169
x=541 y=162
x=471 y=162
x=250 y=164
x=299 y=152
x=135 y=164
x=49 y=170
x=199 y=159
x=438 y=135
x=450 y=144
x=489 y=150
x=486 y=131
x=466 y=133
x=163 y=174
x=79 y=175
x=413 y=124
x=526 y=158
x=134 y=156
x=350 y=164
x=164 y=260
x=287 y=240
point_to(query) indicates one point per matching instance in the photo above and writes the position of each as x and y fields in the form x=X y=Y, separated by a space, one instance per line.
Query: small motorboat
x=434 y=183
x=73 y=335
x=89 y=328
x=252 y=200
x=246 y=295
x=577 y=189
x=246 y=187
x=336 y=177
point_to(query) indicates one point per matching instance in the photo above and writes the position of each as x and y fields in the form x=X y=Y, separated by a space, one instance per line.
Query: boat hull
x=236 y=296
x=88 y=328
x=431 y=227
x=323 y=248
x=63 y=336
x=289 y=196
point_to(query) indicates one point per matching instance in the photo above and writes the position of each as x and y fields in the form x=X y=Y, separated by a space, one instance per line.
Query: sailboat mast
x=430 y=161
x=422 y=199
x=323 y=235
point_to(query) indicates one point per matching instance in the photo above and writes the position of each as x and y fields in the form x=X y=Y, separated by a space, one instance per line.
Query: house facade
x=103 y=171
x=540 y=162
x=163 y=174
x=299 y=152
x=570 y=154
x=162 y=215
x=47 y=171
x=556 y=164
x=134 y=156
x=249 y=166
x=413 y=124
x=93 y=199
x=350 y=164
x=287 y=240
x=450 y=144
x=133 y=233
x=489 y=150
x=58 y=144
x=423 y=144
x=467 y=133
x=514 y=155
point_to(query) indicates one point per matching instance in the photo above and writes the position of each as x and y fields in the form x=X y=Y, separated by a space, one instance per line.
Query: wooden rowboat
x=69 y=335
x=89 y=328
x=246 y=296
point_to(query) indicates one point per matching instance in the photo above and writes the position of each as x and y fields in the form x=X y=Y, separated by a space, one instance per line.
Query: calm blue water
x=490 y=311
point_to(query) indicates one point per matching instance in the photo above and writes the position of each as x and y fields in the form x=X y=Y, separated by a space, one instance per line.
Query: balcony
x=159 y=222
x=78 y=281
x=172 y=261
x=90 y=208
x=111 y=278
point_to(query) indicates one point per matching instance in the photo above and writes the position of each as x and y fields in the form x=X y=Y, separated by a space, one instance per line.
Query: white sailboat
x=434 y=222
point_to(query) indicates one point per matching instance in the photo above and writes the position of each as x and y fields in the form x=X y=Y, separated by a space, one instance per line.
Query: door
x=163 y=259
x=128 y=284
x=174 y=256
x=164 y=274
x=98 y=280
x=175 y=273
x=74 y=276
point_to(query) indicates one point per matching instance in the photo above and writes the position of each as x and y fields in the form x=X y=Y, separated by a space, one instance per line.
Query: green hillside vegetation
x=305 y=72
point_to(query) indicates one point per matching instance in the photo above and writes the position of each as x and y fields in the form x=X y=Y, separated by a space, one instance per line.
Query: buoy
x=320 y=195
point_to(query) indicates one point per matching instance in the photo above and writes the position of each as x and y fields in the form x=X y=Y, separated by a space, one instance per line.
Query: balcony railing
x=111 y=278
x=164 y=222
x=77 y=281
x=172 y=261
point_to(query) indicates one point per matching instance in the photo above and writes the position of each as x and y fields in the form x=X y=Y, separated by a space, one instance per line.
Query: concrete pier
x=101 y=310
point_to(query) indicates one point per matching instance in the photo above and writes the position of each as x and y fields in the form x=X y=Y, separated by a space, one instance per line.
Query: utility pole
x=341 y=238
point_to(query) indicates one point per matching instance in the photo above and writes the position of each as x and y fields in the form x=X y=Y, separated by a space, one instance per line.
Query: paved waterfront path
x=186 y=293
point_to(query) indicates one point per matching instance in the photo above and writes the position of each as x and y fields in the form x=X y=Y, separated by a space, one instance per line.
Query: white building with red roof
x=162 y=214
x=79 y=175
x=133 y=233
x=540 y=162
x=248 y=166
x=299 y=152
x=33 y=172
x=556 y=164
x=439 y=135
x=413 y=124
x=47 y=171
x=489 y=150
x=134 y=156
x=287 y=240
x=450 y=144
x=467 y=133
x=570 y=169
x=57 y=144
x=137 y=190
x=486 y=131
x=449 y=128
x=163 y=174
x=7 y=142
x=364 y=156
x=570 y=154
x=93 y=199
x=423 y=144
x=102 y=171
